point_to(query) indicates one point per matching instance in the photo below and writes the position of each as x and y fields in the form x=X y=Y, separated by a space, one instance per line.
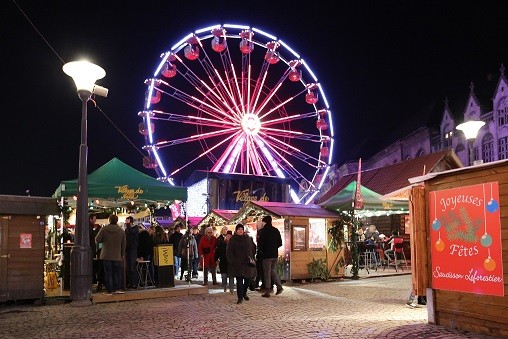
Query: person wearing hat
x=206 y=249
x=269 y=241
x=239 y=251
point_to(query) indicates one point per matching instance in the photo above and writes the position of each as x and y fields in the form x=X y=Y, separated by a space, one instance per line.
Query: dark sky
x=378 y=63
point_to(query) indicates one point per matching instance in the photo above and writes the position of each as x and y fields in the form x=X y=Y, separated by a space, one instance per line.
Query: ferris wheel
x=235 y=99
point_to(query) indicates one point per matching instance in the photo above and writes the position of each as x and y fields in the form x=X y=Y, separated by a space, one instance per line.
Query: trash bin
x=164 y=262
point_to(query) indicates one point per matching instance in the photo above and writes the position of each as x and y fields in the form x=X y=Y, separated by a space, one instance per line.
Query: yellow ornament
x=440 y=245
x=489 y=264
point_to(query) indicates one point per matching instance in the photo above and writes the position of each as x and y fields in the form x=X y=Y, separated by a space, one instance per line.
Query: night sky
x=379 y=64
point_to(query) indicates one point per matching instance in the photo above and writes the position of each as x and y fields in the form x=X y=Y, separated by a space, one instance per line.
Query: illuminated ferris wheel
x=235 y=99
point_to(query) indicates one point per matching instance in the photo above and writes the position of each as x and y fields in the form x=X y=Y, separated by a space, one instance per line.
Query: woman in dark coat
x=239 y=249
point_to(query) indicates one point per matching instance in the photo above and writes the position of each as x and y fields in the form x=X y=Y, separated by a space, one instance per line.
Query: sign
x=163 y=255
x=465 y=238
x=25 y=240
x=129 y=193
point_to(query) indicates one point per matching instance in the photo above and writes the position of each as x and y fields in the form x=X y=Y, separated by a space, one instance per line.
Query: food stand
x=304 y=235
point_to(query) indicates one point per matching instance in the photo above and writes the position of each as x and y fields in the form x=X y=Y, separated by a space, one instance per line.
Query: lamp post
x=84 y=74
x=470 y=129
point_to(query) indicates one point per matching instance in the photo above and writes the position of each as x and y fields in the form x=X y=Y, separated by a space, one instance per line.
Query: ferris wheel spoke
x=278 y=162
x=295 y=152
x=203 y=154
x=189 y=119
x=276 y=107
x=194 y=80
x=224 y=94
x=229 y=154
x=289 y=118
x=259 y=85
x=196 y=103
x=197 y=137
x=292 y=134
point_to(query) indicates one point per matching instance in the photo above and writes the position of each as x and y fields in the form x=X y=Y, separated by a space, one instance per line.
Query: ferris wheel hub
x=251 y=124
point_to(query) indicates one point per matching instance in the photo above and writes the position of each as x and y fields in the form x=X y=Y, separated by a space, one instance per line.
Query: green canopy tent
x=375 y=204
x=117 y=182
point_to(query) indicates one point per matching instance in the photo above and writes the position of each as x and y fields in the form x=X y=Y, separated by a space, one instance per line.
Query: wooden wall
x=300 y=259
x=23 y=270
x=482 y=314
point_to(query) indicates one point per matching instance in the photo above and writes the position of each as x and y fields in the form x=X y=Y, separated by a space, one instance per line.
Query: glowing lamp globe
x=84 y=74
x=470 y=128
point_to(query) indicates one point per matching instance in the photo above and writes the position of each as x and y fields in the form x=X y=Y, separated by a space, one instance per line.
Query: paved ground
x=366 y=308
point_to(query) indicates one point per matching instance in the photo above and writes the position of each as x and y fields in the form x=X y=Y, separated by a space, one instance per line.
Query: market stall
x=304 y=231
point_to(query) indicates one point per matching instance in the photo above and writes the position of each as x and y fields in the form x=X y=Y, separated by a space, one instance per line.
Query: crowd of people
x=116 y=251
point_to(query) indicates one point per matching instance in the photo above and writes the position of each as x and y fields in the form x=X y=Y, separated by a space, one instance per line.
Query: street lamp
x=84 y=74
x=470 y=129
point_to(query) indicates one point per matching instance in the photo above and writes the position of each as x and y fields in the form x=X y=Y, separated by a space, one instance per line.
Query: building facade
x=491 y=143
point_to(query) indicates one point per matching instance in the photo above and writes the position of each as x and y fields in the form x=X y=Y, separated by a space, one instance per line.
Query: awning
x=118 y=182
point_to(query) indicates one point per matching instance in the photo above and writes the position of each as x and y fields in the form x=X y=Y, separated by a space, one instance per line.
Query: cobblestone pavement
x=366 y=308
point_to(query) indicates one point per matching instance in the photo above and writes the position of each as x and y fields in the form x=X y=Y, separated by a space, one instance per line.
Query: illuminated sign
x=244 y=196
x=129 y=193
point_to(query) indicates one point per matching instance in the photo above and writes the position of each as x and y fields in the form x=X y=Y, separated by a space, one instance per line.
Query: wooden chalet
x=460 y=236
x=304 y=231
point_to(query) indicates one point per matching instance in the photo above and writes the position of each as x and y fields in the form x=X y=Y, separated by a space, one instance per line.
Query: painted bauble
x=489 y=264
x=492 y=206
x=436 y=225
x=486 y=240
x=440 y=245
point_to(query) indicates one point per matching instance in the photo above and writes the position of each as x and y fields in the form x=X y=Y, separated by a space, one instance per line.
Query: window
x=503 y=148
x=488 y=148
x=317 y=234
x=299 y=238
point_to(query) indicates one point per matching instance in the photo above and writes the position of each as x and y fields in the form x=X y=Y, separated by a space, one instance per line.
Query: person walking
x=195 y=263
x=188 y=251
x=269 y=242
x=206 y=249
x=239 y=251
x=221 y=257
x=131 y=252
x=174 y=239
x=113 y=241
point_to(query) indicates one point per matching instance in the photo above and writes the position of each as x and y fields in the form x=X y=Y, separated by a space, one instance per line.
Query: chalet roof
x=282 y=209
x=394 y=177
x=218 y=217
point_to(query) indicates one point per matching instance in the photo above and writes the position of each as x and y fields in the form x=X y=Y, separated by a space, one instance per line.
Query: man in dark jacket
x=174 y=239
x=112 y=238
x=131 y=252
x=269 y=241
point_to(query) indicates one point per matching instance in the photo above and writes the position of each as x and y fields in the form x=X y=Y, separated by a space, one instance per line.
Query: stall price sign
x=465 y=233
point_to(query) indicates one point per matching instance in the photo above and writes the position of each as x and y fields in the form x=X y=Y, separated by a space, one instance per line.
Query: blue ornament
x=492 y=206
x=436 y=225
x=486 y=240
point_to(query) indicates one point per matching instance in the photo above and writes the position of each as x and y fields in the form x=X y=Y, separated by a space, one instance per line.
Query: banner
x=465 y=238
